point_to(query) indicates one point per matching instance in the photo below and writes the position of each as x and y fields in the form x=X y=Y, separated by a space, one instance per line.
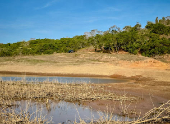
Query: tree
x=156 y=20
x=127 y=28
x=163 y=20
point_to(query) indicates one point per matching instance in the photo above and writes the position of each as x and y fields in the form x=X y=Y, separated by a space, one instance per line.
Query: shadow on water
x=62 y=79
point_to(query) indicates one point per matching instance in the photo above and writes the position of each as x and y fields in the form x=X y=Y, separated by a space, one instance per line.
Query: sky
x=24 y=19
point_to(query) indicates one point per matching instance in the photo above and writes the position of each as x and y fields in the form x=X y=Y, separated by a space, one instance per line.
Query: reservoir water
x=62 y=111
x=65 y=112
x=62 y=79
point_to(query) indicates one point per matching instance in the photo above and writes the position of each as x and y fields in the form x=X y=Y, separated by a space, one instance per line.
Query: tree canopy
x=146 y=41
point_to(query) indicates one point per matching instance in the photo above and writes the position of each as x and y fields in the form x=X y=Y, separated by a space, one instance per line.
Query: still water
x=62 y=79
x=64 y=112
x=61 y=111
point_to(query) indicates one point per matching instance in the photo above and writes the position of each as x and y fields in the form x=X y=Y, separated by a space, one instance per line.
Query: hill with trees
x=149 y=41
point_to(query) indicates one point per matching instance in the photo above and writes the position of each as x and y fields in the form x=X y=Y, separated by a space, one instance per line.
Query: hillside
x=150 y=41
x=88 y=62
x=147 y=78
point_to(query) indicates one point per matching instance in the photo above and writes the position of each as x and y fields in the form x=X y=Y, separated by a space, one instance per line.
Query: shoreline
x=136 y=89
x=114 y=76
x=146 y=88
x=50 y=74
x=147 y=78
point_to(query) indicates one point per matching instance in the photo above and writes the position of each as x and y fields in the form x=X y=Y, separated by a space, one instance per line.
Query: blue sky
x=55 y=19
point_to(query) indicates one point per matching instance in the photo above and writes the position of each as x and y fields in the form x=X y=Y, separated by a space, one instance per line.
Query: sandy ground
x=97 y=65
x=104 y=69
x=150 y=78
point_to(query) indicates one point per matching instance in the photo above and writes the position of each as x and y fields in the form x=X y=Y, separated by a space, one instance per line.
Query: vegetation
x=148 y=41
x=135 y=40
x=49 y=90
x=12 y=91
x=43 y=46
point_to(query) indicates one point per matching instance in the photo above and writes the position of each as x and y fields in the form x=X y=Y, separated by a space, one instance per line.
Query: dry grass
x=157 y=115
x=21 y=90
x=160 y=114
x=15 y=91
x=89 y=63
x=164 y=58
x=77 y=58
x=49 y=90
x=11 y=116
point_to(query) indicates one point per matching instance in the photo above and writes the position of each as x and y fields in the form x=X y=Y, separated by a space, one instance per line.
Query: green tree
x=156 y=20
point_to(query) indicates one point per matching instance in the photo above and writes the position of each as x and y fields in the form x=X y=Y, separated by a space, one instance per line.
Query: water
x=62 y=79
x=61 y=111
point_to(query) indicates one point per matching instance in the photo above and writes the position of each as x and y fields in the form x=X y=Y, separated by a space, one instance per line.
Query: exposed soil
x=151 y=94
x=88 y=63
x=149 y=77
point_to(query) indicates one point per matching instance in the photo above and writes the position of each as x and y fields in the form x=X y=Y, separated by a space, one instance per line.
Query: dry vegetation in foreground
x=11 y=90
x=156 y=115
x=21 y=90
x=9 y=115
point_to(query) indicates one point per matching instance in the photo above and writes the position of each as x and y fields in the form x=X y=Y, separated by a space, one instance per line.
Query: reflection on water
x=62 y=111
x=62 y=79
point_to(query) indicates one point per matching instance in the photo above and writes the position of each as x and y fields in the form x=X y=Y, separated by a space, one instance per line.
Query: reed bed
x=12 y=91
x=12 y=116
x=20 y=90
x=157 y=115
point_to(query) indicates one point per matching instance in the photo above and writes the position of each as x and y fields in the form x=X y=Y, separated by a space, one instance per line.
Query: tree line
x=152 y=40
x=43 y=46
x=149 y=41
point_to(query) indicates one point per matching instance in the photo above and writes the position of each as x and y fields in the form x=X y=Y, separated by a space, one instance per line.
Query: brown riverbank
x=150 y=78
x=6 y=73
x=87 y=64
x=152 y=94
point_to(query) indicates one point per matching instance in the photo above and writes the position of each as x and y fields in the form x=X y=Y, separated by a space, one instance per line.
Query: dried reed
x=47 y=90
x=44 y=91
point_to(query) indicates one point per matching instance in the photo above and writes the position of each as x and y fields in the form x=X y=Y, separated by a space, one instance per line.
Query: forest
x=150 y=41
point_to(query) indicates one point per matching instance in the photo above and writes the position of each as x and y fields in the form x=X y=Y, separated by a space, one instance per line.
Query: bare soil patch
x=151 y=93
x=149 y=77
x=89 y=63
